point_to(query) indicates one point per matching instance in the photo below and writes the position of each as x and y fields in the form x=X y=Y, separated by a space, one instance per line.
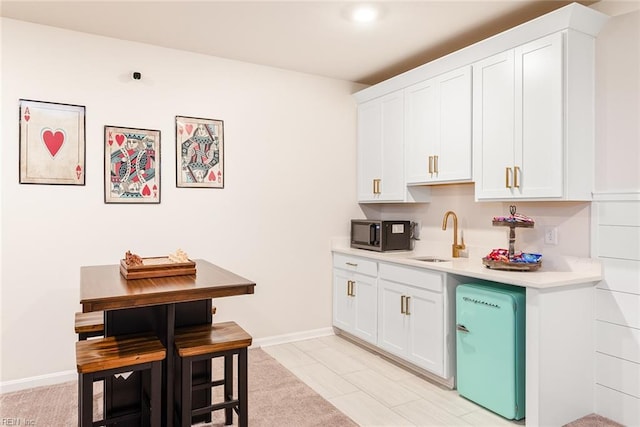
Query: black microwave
x=381 y=236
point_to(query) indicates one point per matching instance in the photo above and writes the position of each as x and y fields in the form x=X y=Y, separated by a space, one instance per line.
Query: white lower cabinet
x=411 y=318
x=355 y=297
x=401 y=310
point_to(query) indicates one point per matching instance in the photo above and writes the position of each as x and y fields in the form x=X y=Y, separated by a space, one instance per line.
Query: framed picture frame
x=199 y=152
x=52 y=143
x=131 y=165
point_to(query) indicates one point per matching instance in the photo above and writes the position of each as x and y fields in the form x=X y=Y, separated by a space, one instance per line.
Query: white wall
x=289 y=186
x=618 y=104
x=616 y=219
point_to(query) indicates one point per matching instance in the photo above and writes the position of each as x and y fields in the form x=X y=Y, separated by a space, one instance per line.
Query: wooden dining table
x=158 y=305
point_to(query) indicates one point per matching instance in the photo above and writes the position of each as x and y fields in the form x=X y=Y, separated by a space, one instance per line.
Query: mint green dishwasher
x=490 y=349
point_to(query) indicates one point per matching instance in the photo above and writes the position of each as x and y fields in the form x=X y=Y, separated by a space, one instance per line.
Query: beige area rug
x=276 y=398
x=593 y=420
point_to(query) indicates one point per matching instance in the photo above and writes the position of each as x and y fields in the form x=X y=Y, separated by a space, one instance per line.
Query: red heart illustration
x=180 y=130
x=146 y=191
x=110 y=141
x=53 y=140
x=212 y=176
x=27 y=117
x=189 y=128
x=120 y=139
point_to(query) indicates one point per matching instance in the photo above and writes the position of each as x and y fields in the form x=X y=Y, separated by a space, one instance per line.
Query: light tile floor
x=373 y=391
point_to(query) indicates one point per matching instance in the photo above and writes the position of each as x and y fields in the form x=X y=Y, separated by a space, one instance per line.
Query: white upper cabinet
x=438 y=129
x=381 y=152
x=380 y=148
x=533 y=137
x=513 y=113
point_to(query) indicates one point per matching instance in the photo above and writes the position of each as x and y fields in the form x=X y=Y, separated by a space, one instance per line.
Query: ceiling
x=307 y=36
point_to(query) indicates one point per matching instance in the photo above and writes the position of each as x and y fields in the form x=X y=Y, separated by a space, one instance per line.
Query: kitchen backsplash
x=571 y=219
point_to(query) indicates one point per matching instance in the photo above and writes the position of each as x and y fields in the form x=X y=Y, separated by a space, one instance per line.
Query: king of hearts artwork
x=133 y=157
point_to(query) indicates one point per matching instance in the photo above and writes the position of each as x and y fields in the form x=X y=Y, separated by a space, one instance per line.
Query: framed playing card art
x=52 y=143
x=199 y=152
x=131 y=165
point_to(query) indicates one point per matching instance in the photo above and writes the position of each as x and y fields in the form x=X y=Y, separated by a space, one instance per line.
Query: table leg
x=121 y=395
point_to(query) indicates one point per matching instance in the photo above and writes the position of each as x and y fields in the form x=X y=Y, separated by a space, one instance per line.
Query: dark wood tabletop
x=102 y=287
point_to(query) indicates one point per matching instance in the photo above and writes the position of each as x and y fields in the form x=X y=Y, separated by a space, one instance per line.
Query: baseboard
x=65 y=376
x=296 y=336
x=38 y=381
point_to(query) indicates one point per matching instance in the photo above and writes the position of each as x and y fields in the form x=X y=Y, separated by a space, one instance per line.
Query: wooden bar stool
x=100 y=358
x=89 y=324
x=208 y=342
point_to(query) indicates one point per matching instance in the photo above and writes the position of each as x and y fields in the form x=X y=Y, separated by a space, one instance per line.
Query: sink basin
x=431 y=259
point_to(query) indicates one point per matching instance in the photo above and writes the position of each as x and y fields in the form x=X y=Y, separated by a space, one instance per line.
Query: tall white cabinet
x=532 y=125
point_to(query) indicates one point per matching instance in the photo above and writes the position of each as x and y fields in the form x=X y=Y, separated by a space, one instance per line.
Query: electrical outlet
x=551 y=235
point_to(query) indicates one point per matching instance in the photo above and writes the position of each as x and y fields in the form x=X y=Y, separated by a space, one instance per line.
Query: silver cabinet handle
x=406 y=309
x=462 y=328
x=352 y=264
x=402 y=302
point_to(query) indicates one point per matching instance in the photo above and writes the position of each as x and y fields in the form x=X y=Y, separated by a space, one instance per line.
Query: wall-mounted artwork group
x=52 y=151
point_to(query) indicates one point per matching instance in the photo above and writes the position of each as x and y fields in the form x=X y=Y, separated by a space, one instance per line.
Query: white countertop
x=562 y=272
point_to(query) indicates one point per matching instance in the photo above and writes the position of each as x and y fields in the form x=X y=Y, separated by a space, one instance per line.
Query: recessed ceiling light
x=364 y=13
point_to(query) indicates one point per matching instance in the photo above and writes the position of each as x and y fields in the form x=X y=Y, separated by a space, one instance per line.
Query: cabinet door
x=392 y=186
x=426 y=329
x=365 y=293
x=369 y=148
x=421 y=131
x=493 y=125
x=438 y=129
x=392 y=326
x=380 y=145
x=343 y=302
x=453 y=157
x=538 y=117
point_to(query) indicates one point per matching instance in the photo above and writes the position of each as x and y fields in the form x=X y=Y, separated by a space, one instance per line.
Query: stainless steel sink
x=431 y=259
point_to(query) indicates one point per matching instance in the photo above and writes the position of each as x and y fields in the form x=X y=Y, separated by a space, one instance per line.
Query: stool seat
x=100 y=358
x=205 y=339
x=116 y=352
x=206 y=342
x=89 y=324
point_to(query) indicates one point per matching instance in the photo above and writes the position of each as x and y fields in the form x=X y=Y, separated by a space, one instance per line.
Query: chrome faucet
x=455 y=248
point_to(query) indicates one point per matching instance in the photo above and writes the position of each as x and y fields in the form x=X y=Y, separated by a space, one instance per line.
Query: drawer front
x=355 y=264
x=418 y=277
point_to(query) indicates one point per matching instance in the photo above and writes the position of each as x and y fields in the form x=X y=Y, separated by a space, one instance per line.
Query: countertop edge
x=586 y=271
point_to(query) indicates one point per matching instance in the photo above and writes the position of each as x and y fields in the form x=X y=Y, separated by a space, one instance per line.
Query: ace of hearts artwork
x=52 y=143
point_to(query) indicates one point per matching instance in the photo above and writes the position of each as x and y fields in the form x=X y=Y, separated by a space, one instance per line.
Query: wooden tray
x=513 y=224
x=157 y=267
x=511 y=266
